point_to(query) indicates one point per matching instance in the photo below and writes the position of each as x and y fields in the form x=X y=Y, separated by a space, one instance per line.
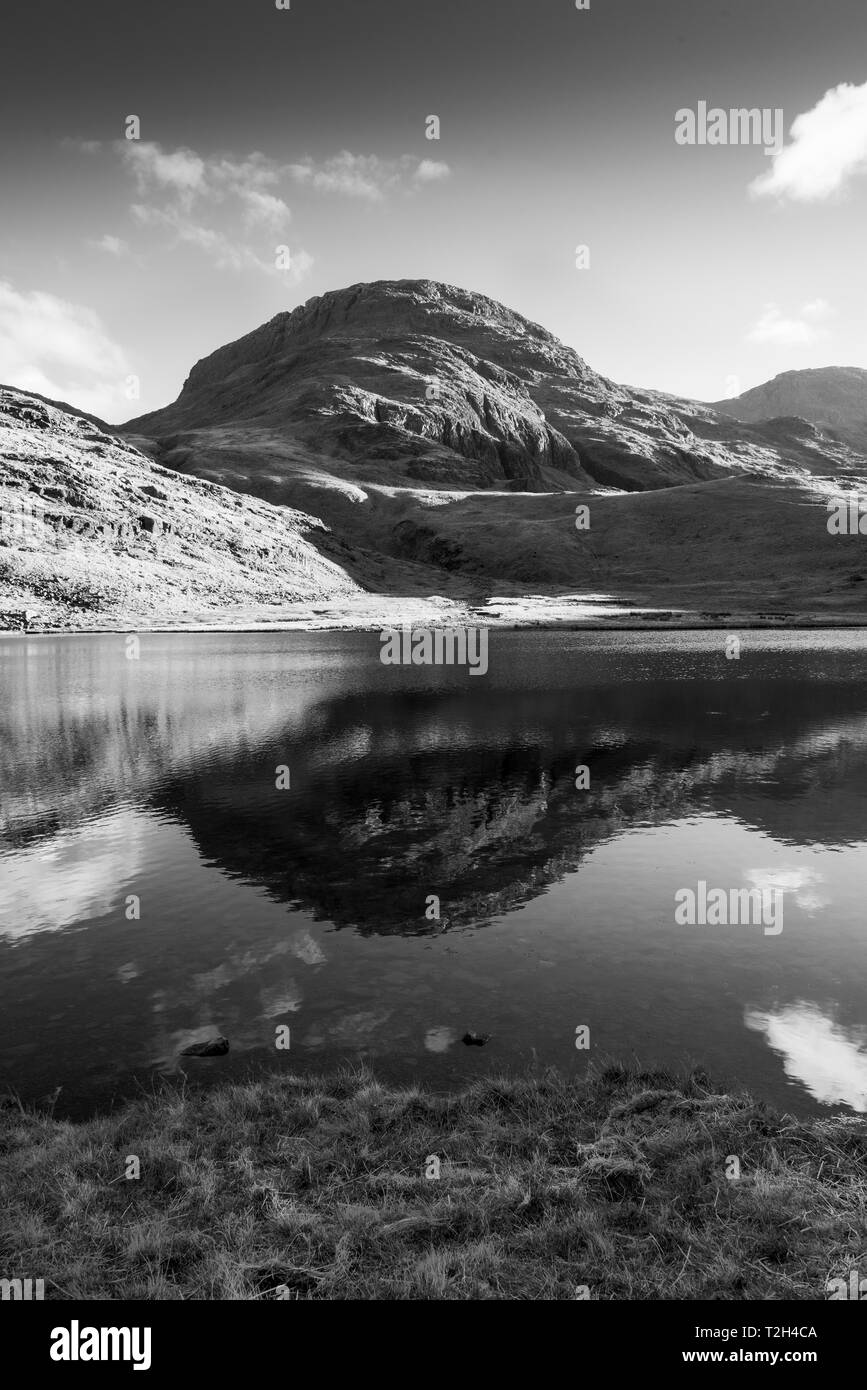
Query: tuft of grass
x=317 y=1187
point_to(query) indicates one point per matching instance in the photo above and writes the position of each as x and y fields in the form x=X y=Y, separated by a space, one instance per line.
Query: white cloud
x=827 y=149
x=236 y=176
x=301 y=265
x=184 y=193
x=60 y=350
x=430 y=171
x=774 y=327
x=112 y=244
x=181 y=170
x=354 y=175
x=230 y=208
x=366 y=175
x=817 y=310
x=190 y=175
x=225 y=253
x=264 y=208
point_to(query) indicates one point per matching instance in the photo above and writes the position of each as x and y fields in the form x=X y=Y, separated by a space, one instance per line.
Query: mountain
x=831 y=397
x=415 y=383
x=410 y=448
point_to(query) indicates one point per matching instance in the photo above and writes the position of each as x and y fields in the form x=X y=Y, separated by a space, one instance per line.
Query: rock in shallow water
x=214 y=1047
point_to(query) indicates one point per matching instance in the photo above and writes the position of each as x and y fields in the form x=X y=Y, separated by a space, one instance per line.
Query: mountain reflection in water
x=154 y=781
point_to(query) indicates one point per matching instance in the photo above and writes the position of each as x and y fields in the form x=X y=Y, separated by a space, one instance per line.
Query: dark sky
x=340 y=69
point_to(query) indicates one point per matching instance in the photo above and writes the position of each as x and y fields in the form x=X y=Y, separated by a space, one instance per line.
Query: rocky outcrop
x=88 y=525
x=18 y=620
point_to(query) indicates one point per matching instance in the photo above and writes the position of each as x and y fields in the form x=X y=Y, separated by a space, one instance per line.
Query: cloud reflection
x=798 y=882
x=74 y=877
x=827 y=1058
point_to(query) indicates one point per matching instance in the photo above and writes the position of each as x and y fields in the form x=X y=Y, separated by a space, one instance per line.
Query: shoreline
x=375 y=612
x=587 y=611
x=750 y=622
x=624 y=1184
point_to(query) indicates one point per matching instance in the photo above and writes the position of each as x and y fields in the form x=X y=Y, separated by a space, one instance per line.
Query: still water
x=149 y=787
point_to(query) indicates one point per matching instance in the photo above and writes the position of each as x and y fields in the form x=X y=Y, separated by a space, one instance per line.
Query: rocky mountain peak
x=387 y=310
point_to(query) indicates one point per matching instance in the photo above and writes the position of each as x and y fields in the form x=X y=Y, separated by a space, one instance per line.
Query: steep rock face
x=89 y=525
x=834 y=397
x=419 y=383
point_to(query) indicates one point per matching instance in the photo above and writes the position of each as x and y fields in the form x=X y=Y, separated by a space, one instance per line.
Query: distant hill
x=833 y=397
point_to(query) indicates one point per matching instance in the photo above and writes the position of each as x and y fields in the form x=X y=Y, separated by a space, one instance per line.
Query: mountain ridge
x=414 y=439
x=414 y=382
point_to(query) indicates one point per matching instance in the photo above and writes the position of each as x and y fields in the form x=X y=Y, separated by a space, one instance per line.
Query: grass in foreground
x=315 y=1187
